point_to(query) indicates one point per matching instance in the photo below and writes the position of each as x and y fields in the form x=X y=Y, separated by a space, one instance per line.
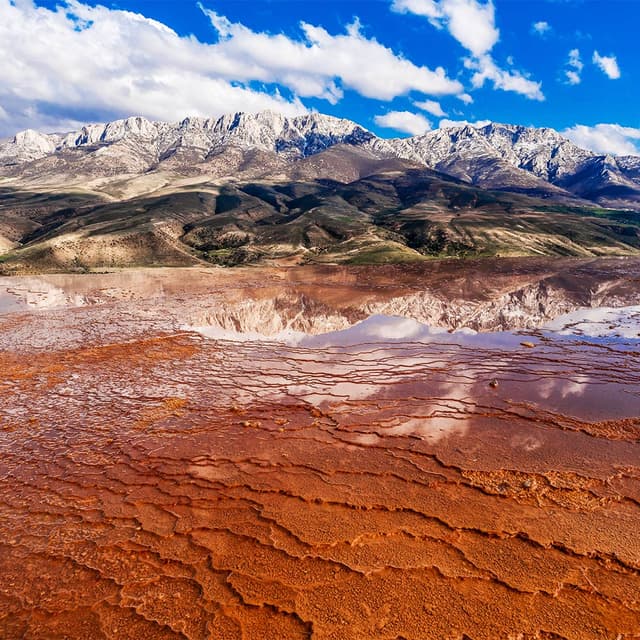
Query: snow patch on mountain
x=538 y=162
x=269 y=131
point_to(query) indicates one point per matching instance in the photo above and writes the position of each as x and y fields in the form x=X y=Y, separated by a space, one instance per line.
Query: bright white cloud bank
x=311 y=65
x=472 y=24
x=74 y=63
x=59 y=67
x=608 y=65
x=405 y=121
x=613 y=139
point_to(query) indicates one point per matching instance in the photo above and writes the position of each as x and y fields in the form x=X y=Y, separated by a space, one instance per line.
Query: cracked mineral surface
x=294 y=453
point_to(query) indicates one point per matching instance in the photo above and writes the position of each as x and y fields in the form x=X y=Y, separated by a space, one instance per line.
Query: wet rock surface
x=371 y=483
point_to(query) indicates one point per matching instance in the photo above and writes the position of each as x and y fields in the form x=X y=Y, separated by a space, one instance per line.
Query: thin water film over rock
x=322 y=453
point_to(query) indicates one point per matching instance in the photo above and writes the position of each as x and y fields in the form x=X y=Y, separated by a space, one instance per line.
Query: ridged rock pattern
x=536 y=161
x=158 y=484
x=296 y=137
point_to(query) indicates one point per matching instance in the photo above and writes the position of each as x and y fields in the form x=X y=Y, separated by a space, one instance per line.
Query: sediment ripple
x=158 y=484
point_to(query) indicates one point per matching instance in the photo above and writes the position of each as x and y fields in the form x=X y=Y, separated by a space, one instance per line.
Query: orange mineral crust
x=155 y=483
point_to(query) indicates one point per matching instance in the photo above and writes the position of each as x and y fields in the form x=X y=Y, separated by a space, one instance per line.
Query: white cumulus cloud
x=74 y=63
x=473 y=24
x=608 y=65
x=573 y=73
x=427 y=8
x=405 y=121
x=611 y=139
x=541 y=27
x=313 y=64
x=77 y=63
x=485 y=68
x=432 y=107
x=470 y=22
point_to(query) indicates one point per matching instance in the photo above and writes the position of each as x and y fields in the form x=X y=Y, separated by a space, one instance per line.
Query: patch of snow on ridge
x=299 y=136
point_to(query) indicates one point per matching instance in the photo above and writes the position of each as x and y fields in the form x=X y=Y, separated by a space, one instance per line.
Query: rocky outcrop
x=535 y=161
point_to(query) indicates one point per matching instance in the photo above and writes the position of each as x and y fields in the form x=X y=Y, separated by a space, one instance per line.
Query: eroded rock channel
x=310 y=471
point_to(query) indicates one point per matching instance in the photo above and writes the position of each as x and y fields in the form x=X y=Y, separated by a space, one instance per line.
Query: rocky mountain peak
x=28 y=145
x=537 y=161
x=295 y=137
x=31 y=138
x=136 y=126
x=541 y=151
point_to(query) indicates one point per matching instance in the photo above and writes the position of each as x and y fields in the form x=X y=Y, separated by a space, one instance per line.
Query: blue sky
x=397 y=67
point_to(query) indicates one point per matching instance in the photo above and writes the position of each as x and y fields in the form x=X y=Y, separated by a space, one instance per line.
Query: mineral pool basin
x=389 y=480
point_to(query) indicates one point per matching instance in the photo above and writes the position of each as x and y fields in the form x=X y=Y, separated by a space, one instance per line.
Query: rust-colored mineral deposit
x=157 y=483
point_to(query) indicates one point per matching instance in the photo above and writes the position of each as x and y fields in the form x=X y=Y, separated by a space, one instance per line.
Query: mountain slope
x=537 y=162
x=137 y=144
x=247 y=188
x=397 y=215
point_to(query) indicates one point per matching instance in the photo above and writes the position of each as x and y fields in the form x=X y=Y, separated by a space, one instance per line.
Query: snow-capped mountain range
x=268 y=131
x=535 y=161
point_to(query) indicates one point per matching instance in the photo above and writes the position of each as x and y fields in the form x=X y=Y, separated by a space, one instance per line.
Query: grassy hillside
x=394 y=216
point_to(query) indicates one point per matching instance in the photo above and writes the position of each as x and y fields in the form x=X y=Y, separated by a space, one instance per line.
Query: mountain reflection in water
x=361 y=476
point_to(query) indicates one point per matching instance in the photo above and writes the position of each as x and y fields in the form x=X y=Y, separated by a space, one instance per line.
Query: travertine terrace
x=275 y=453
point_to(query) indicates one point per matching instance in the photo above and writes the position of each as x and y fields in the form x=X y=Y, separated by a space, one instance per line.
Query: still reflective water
x=311 y=464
